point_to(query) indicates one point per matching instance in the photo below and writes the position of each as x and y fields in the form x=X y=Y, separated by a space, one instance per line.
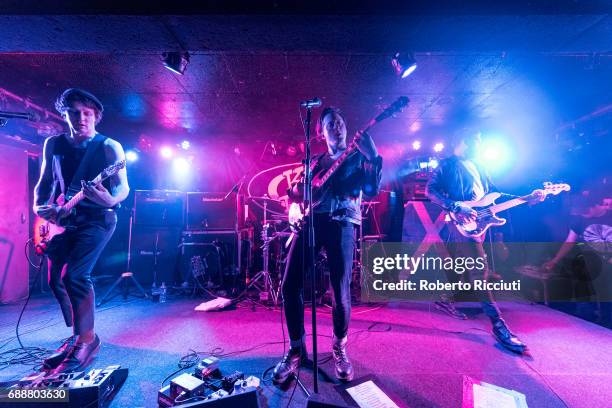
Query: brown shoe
x=79 y=357
x=60 y=354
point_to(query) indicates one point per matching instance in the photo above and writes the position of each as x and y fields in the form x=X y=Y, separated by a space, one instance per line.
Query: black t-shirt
x=593 y=229
x=594 y=245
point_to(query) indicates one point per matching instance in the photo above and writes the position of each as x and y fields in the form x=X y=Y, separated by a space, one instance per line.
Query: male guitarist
x=68 y=160
x=334 y=219
x=459 y=178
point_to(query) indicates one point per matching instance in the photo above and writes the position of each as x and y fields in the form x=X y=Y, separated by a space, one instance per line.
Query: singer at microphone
x=311 y=103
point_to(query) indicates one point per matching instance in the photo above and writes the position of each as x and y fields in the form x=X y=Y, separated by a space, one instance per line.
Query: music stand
x=126 y=277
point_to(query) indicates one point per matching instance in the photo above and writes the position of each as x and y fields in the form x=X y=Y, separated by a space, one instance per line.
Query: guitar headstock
x=397 y=106
x=554 y=189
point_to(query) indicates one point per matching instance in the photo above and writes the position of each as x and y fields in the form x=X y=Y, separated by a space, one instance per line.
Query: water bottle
x=163 y=291
x=155 y=292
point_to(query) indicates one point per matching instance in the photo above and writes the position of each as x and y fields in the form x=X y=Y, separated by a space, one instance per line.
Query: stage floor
x=417 y=353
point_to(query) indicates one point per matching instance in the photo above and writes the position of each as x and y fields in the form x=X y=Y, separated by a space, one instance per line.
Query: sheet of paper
x=368 y=395
x=487 y=397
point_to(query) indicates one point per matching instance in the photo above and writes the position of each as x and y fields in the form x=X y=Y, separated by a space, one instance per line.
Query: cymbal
x=264 y=198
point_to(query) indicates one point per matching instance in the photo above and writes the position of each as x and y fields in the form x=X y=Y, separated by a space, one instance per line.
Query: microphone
x=16 y=115
x=311 y=103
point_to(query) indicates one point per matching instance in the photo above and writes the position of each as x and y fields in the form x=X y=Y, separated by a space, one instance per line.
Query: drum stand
x=265 y=288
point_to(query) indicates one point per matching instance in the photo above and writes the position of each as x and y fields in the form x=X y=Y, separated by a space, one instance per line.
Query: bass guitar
x=487 y=210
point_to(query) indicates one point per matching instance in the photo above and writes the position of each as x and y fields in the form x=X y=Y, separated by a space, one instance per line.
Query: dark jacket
x=355 y=176
x=451 y=182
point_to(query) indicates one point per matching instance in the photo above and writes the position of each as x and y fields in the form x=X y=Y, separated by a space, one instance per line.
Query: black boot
x=506 y=338
x=60 y=354
x=290 y=364
x=344 y=368
x=448 y=306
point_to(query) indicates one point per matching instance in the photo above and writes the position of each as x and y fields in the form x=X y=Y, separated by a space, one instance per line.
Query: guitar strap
x=92 y=148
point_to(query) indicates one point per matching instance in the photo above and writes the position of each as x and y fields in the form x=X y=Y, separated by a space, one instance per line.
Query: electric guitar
x=48 y=229
x=487 y=210
x=320 y=179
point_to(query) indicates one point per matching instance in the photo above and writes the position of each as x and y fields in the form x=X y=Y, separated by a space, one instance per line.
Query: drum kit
x=271 y=231
x=275 y=231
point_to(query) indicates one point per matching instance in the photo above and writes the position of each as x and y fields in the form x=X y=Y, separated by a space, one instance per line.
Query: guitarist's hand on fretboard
x=98 y=194
x=536 y=197
x=366 y=145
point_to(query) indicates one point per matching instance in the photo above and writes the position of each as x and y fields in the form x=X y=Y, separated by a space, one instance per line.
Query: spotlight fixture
x=416 y=145
x=176 y=61
x=131 y=155
x=404 y=64
x=438 y=147
x=185 y=145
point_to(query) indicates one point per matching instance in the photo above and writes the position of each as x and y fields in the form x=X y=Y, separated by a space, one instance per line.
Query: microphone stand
x=309 y=245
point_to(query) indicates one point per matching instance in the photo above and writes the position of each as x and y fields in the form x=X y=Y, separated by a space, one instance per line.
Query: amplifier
x=164 y=208
x=219 y=255
x=213 y=211
x=155 y=253
x=94 y=388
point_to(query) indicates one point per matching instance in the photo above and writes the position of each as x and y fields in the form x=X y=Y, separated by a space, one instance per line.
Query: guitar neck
x=508 y=204
x=78 y=197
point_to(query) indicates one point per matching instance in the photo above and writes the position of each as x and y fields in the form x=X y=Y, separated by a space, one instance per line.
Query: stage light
x=185 y=145
x=181 y=166
x=176 y=61
x=291 y=150
x=415 y=127
x=495 y=154
x=438 y=147
x=433 y=163
x=131 y=156
x=404 y=64
x=166 y=152
x=416 y=145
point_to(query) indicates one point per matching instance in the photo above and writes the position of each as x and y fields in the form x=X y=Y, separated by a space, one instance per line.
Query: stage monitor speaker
x=155 y=254
x=213 y=211
x=163 y=208
x=317 y=401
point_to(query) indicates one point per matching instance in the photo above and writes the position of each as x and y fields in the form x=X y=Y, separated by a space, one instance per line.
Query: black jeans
x=338 y=239
x=72 y=257
x=460 y=246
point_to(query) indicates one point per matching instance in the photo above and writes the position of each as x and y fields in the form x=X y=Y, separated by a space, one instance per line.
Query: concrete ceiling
x=248 y=73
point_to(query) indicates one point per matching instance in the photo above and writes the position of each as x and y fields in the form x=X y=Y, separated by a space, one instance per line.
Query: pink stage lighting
x=166 y=152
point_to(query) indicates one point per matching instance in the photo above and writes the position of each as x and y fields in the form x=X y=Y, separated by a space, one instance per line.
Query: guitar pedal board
x=93 y=388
